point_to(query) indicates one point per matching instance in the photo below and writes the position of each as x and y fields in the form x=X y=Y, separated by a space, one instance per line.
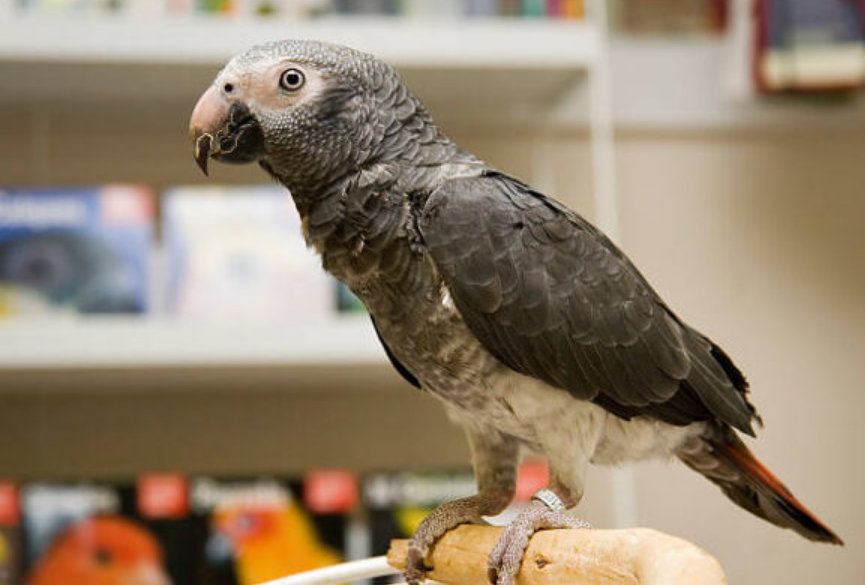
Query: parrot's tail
x=724 y=459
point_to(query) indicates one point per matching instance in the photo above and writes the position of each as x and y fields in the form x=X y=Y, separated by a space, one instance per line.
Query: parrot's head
x=244 y=525
x=105 y=550
x=308 y=112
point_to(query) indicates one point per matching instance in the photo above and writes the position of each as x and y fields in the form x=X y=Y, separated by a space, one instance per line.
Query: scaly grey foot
x=449 y=515
x=504 y=561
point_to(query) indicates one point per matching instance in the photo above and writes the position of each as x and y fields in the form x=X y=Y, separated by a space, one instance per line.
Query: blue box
x=82 y=249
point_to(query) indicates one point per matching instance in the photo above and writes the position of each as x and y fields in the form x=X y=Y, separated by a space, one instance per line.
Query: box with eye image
x=75 y=250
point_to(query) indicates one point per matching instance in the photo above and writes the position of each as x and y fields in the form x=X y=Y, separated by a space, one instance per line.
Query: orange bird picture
x=272 y=541
x=103 y=550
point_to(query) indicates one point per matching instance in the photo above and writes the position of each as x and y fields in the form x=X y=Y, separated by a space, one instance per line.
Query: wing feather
x=552 y=297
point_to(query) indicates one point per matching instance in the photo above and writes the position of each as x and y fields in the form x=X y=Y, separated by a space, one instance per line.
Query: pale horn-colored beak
x=210 y=114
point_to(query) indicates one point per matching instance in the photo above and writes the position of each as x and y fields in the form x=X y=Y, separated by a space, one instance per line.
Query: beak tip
x=202 y=164
x=202 y=151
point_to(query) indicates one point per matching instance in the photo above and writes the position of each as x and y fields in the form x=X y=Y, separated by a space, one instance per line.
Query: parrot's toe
x=449 y=515
x=415 y=567
x=504 y=561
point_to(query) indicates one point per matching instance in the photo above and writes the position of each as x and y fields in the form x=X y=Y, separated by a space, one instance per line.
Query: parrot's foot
x=446 y=517
x=504 y=561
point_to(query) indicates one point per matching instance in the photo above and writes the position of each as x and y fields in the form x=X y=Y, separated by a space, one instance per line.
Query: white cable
x=342 y=573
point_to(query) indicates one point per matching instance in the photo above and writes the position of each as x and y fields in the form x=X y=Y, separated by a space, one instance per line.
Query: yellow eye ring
x=292 y=79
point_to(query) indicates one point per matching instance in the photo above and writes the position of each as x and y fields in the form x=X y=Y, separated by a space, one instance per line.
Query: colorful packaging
x=396 y=503
x=256 y=530
x=55 y=6
x=83 y=250
x=366 y=7
x=346 y=301
x=809 y=46
x=216 y=6
x=87 y=533
x=162 y=505
x=237 y=253
x=667 y=17
x=10 y=534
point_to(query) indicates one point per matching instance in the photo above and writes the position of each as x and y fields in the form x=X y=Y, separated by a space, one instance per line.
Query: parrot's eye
x=292 y=79
x=103 y=557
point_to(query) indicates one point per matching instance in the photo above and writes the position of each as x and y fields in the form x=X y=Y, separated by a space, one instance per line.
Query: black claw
x=493 y=575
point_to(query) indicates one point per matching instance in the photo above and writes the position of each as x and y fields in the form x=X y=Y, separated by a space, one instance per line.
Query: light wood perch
x=572 y=557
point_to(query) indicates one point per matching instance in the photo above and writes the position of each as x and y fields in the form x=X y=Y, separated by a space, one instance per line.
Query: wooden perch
x=572 y=557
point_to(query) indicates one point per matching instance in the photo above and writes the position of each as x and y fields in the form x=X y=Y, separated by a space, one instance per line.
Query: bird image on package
x=103 y=550
x=529 y=326
x=259 y=530
x=8 y=554
x=76 y=534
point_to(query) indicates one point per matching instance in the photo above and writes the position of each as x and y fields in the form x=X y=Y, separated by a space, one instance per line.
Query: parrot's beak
x=223 y=130
x=149 y=574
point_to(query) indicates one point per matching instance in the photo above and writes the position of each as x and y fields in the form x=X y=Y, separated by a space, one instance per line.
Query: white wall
x=758 y=242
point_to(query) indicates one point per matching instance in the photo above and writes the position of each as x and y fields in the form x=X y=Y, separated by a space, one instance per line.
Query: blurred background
x=175 y=370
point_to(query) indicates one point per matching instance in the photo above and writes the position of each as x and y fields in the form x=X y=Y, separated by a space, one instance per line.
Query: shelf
x=457 y=68
x=685 y=84
x=130 y=343
x=476 y=44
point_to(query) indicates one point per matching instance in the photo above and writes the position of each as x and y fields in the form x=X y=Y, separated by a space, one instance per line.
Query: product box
x=250 y=531
x=809 y=46
x=237 y=254
x=83 y=249
x=162 y=505
x=55 y=6
x=88 y=533
x=346 y=301
x=10 y=534
x=90 y=7
x=397 y=502
x=668 y=17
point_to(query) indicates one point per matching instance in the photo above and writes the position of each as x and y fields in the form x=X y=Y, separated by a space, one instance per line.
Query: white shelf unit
x=92 y=60
x=458 y=68
x=456 y=64
x=139 y=343
x=498 y=44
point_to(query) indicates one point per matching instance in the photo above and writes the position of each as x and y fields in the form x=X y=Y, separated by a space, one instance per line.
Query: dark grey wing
x=551 y=297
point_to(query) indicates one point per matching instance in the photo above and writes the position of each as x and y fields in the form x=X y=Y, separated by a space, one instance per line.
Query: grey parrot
x=529 y=325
